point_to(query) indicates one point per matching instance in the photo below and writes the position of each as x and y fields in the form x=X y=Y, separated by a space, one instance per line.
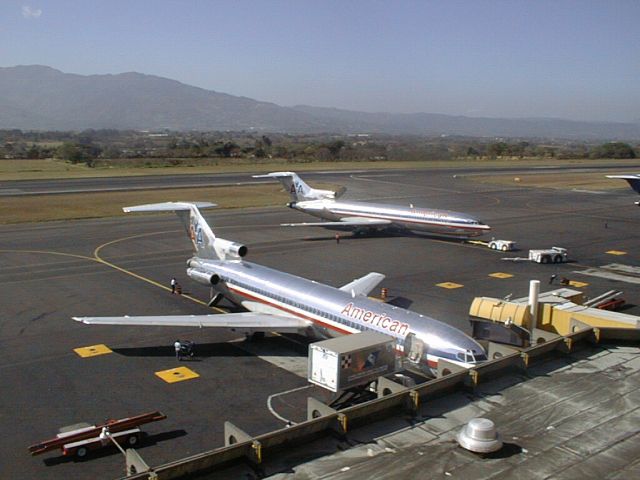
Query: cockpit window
x=470 y=356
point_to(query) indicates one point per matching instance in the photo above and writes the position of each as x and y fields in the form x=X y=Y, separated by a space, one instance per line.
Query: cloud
x=29 y=12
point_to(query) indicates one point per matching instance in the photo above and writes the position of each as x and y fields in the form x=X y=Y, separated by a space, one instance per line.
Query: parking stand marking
x=500 y=275
x=92 y=351
x=177 y=374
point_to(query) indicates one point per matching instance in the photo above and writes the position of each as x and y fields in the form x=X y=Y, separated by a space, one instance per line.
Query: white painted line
x=274 y=413
x=596 y=272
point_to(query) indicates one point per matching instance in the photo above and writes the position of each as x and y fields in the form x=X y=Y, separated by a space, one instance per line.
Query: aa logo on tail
x=195 y=232
x=296 y=188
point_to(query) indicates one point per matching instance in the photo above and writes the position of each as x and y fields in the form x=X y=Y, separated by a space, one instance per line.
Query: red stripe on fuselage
x=430 y=363
x=284 y=309
x=448 y=225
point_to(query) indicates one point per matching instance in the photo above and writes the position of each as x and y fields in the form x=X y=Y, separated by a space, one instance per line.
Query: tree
x=613 y=150
x=227 y=149
x=76 y=153
x=497 y=149
x=471 y=151
x=334 y=148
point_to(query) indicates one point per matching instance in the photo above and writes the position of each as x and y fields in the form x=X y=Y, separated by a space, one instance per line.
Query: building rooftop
x=575 y=416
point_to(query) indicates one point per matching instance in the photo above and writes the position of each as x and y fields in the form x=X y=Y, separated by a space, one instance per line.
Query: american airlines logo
x=297 y=188
x=195 y=232
x=372 y=318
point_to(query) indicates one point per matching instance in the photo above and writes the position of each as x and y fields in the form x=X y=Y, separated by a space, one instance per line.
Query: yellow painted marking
x=98 y=258
x=575 y=283
x=616 y=252
x=46 y=252
x=177 y=374
x=449 y=285
x=500 y=275
x=92 y=351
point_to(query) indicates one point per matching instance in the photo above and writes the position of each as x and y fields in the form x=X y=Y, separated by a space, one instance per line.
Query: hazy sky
x=568 y=59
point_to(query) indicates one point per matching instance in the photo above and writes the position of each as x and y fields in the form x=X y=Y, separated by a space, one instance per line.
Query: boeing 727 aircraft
x=280 y=302
x=365 y=216
x=633 y=179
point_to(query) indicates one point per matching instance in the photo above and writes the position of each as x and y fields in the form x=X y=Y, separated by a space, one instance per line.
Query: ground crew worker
x=552 y=278
x=337 y=238
x=173 y=282
x=178 y=347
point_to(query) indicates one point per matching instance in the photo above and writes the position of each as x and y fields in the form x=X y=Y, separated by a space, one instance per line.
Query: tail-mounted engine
x=205 y=278
x=228 y=250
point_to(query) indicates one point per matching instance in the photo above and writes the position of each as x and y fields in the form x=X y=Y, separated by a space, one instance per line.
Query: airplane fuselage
x=332 y=312
x=440 y=222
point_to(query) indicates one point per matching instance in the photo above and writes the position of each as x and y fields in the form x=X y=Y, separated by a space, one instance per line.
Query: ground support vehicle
x=351 y=361
x=501 y=245
x=81 y=438
x=551 y=255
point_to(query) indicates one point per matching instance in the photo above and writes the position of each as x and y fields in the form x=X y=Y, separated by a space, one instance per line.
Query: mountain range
x=42 y=98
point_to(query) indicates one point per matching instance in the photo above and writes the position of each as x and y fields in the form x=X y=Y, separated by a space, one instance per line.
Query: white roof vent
x=480 y=436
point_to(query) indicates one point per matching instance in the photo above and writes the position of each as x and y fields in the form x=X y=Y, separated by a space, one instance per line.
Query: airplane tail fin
x=299 y=190
x=205 y=243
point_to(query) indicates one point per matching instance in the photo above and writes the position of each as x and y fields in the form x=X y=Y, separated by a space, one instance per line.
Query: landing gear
x=215 y=299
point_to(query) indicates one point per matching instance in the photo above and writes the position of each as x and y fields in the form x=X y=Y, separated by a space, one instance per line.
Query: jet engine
x=205 y=278
x=229 y=250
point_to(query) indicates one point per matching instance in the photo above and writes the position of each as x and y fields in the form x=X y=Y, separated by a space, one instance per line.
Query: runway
x=117 y=266
x=171 y=181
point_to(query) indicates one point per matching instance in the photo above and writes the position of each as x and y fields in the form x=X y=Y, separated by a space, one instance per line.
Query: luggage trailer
x=79 y=439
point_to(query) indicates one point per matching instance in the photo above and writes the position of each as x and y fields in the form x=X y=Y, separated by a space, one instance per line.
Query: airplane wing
x=344 y=222
x=363 y=285
x=633 y=179
x=254 y=322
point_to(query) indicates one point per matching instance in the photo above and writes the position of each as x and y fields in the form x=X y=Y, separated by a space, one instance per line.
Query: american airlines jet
x=633 y=179
x=279 y=302
x=366 y=216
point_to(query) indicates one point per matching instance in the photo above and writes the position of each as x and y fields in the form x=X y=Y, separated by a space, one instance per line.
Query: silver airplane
x=366 y=216
x=279 y=302
x=633 y=179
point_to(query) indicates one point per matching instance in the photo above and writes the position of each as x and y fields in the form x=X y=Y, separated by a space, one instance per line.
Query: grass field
x=55 y=169
x=584 y=181
x=94 y=205
x=51 y=168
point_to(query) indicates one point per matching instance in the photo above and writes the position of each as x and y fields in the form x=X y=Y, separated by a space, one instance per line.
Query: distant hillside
x=438 y=124
x=39 y=97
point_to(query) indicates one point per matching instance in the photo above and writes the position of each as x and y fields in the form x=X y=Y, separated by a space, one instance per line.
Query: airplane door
x=414 y=348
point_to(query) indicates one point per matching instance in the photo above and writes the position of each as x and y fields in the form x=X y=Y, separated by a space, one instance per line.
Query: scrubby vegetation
x=99 y=148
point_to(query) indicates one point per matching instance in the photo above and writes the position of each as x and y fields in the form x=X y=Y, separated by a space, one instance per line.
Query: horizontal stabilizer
x=363 y=285
x=168 y=206
x=344 y=222
x=274 y=175
x=255 y=322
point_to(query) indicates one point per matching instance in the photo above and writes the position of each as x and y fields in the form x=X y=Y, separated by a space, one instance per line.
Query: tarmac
x=122 y=265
